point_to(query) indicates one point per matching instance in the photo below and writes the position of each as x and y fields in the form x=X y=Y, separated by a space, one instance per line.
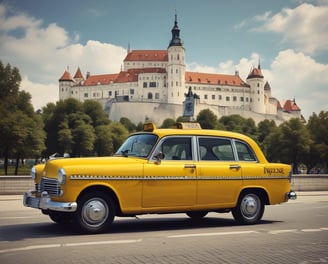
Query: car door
x=171 y=181
x=219 y=175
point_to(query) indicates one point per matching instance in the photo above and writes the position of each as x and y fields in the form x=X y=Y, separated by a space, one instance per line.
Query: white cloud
x=196 y=67
x=305 y=26
x=292 y=75
x=43 y=52
x=41 y=93
x=295 y=75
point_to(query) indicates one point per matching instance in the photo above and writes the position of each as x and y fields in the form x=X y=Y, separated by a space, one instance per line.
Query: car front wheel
x=249 y=210
x=95 y=212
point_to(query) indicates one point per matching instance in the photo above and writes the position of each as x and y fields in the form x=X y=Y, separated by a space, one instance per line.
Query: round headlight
x=33 y=173
x=61 y=176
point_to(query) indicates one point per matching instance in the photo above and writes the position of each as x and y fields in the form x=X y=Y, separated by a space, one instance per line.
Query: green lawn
x=22 y=170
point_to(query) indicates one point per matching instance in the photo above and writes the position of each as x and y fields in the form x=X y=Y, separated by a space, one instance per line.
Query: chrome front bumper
x=45 y=203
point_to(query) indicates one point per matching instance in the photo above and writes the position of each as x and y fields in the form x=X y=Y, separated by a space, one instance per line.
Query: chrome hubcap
x=250 y=206
x=95 y=212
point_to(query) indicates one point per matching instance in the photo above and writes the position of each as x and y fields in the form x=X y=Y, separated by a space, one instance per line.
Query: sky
x=288 y=37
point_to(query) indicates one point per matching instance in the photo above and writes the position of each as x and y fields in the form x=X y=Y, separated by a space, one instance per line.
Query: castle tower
x=65 y=83
x=78 y=77
x=176 y=67
x=256 y=81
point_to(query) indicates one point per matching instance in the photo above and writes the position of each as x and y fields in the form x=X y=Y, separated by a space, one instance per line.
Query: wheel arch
x=260 y=191
x=105 y=189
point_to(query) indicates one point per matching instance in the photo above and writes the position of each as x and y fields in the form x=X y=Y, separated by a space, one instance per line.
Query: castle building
x=153 y=83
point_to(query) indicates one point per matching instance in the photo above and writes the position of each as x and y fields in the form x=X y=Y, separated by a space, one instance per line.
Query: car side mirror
x=159 y=156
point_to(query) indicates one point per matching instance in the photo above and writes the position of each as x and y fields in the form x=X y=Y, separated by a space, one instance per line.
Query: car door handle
x=235 y=166
x=190 y=166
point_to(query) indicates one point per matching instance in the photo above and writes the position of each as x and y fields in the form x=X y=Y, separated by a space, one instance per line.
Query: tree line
x=83 y=129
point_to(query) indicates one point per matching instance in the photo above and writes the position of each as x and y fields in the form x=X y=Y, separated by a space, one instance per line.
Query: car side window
x=244 y=152
x=177 y=148
x=212 y=148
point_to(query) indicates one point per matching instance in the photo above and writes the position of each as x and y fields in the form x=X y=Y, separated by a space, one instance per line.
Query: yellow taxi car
x=185 y=169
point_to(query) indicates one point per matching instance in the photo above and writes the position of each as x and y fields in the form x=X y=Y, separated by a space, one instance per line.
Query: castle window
x=177 y=83
x=213 y=96
x=176 y=71
x=205 y=96
x=110 y=93
x=86 y=95
x=178 y=57
x=131 y=91
x=234 y=98
x=145 y=85
x=152 y=84
x=241 y=99
x=227 y=98
x=150 y=96
x=258 y=92
x=246 y=99
x=258 y=85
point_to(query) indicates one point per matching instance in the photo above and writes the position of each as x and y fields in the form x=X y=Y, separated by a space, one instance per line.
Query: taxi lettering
x=273 y=171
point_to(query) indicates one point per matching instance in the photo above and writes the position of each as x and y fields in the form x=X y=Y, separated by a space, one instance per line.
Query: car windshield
x=139 y=145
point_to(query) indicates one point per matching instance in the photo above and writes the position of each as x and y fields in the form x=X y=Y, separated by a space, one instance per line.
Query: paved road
x=295 y=232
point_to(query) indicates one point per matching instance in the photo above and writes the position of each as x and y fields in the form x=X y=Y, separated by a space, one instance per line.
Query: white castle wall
x=158 y=112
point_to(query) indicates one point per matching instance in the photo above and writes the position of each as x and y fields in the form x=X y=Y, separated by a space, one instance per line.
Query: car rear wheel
x=95 y=212
x=249 y=210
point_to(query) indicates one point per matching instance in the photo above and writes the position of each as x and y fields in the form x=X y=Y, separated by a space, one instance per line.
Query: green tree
x=318 y=129
x=289 y=143
x=21 y=133
x=65 y=137
x=264 y=129
x=69 y=128
x=168 y=123
x=104 y=141
x=237 y=123
x=207 y=119
x=118 y=134
x=95 y=111
x=126 y=122
x=84 y=138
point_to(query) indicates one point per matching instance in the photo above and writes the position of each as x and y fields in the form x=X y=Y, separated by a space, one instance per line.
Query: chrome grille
x=38 y=187
x=51 y=186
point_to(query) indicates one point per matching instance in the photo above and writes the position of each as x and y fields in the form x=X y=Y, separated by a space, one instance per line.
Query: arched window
x=150 y=96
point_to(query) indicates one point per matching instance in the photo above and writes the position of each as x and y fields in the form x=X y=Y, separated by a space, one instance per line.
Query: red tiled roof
x=66 y=77
x=132 y=74
x=255 y=73
x=267 y=86
x=78 y=74
x=147 y=55
x=213 y=78
x=122 y=77
x=290 y=106
x=100 y=79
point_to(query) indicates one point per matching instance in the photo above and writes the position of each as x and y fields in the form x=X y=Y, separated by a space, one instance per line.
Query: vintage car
x=185 y=169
